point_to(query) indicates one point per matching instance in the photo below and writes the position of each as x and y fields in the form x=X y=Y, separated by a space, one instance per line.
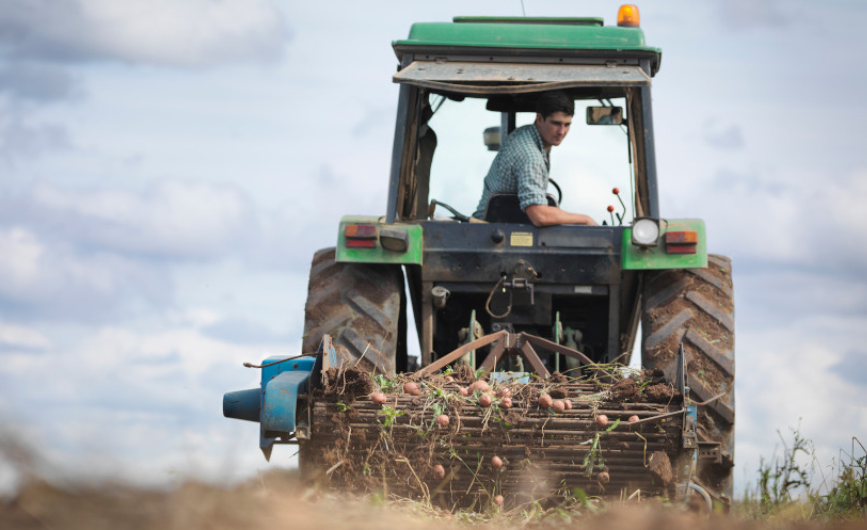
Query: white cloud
x=785 y=379
x=188 y=33
x=41 y=280
x=14 y=337
x=174 y=219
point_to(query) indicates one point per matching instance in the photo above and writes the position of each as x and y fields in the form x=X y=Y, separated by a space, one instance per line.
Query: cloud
x=172 y=219
x=165 y=32
x=748 y=14
x=128 y=405
x=21 y=339
x=28 y=81
x=852 y=368
x=24 y=88
x=783 y=381
x=41 y=280
x=795 y=221
x=728 y=138
x=243 y=331
x=22 y=139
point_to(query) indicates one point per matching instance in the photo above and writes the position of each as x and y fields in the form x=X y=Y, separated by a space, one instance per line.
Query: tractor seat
x=506 y=208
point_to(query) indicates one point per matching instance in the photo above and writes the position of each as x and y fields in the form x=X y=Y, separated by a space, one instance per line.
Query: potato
x=504 y=392
x=496 y=462
x=485 y=400
x=568 y=403
x=412 y=389
x=506 y=402
x=481 y=386
x=378 y=398
x=498 y=500
x=439 y=472
x=463 y=391
x=633 y=418
x=545 y=401
x=602 y=420
x=558 y=406
x=603 y=478
x=442 y=420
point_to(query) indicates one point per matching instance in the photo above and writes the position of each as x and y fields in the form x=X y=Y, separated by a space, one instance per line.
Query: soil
x=662 y=393
x=558 y=378
x=348 y=384
x=660 y=468
x=464 y=373
x=278 y=499
x=559 y=393
x=625 y=390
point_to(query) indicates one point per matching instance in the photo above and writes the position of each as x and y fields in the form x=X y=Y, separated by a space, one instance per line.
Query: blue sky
x=168 y=169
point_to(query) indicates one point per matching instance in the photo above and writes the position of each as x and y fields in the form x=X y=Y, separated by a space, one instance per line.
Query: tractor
x=512 y=302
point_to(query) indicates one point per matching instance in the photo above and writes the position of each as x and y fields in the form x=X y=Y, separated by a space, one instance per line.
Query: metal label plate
x=521 y=239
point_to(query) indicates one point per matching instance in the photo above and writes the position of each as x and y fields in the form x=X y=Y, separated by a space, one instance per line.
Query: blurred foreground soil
x=275 y=500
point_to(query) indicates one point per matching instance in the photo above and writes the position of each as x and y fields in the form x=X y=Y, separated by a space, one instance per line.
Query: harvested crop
x=412 y=389
x=439 y=471
x=498 y=500
x=442 y=420
x=558 y=406
x=378 y=398
x=545 y=401
x=603 y=478
x=506 y=402
x=481 y=386
x=463 y=391
x=496 y=462
x=485 y=400
x=602 y=420
x=633 y=418
x=504 y=392
x=568 y=404
x=450 y=379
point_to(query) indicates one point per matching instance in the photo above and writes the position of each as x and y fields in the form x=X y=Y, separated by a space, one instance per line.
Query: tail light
x=681 y=242
x=360 y=236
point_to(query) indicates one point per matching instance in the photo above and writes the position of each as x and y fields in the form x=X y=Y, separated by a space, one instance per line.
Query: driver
x=522 y=164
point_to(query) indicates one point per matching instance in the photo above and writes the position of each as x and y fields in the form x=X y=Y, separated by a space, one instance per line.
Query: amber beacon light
x=627 y=16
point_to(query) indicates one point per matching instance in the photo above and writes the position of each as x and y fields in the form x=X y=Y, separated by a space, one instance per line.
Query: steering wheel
x=559 y=191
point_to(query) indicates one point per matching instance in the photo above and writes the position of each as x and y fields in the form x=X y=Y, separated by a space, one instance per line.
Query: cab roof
x=540 y=36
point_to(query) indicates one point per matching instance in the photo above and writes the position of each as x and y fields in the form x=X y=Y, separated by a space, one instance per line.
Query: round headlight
x=645 y=232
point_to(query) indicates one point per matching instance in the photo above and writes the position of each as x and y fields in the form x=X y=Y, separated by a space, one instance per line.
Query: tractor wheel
x=696 y=307
x=359 y=305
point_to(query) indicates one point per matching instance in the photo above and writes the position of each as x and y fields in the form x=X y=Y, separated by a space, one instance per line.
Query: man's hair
x=557 y=101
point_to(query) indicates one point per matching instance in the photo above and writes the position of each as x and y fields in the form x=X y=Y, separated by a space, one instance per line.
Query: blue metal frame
x=281 y=385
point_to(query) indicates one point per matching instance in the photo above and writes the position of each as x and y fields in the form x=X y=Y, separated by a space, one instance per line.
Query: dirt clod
x=349 y=384
x=660 y=468
x=625 y=390
x=661 y=393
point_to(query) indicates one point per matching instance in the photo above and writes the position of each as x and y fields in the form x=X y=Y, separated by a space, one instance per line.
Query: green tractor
x=512 y=301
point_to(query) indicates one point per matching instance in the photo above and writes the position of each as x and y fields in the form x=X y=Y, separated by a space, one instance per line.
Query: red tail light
x=681 y=242
x=360 y=236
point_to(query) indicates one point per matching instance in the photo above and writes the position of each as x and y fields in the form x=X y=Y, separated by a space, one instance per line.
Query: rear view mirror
x=604 y=115
x=492 y=138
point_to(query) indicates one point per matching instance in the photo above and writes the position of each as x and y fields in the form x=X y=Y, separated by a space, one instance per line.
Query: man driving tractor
x=523 y=163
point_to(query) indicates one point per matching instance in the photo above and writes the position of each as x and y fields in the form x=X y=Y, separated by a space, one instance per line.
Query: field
x=785 y=495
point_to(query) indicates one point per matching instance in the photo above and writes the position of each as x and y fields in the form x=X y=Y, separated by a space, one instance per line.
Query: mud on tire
x=359 y=305
x=696 y=307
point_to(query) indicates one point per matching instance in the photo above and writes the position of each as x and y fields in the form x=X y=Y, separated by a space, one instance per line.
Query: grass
x=795 y=486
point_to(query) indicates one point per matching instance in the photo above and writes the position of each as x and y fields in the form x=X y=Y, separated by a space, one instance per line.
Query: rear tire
x=359 y=305
x=696 y=307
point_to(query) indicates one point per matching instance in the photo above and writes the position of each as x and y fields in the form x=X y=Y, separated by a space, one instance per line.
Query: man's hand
x=551 y=215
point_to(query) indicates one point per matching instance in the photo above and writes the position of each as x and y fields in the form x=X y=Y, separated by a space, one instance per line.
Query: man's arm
x=551 y=215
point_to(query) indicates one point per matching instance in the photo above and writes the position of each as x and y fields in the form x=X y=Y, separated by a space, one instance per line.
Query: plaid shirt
x=521 y=166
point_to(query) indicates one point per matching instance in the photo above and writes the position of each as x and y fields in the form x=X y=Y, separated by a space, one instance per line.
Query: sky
x=168 y=169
